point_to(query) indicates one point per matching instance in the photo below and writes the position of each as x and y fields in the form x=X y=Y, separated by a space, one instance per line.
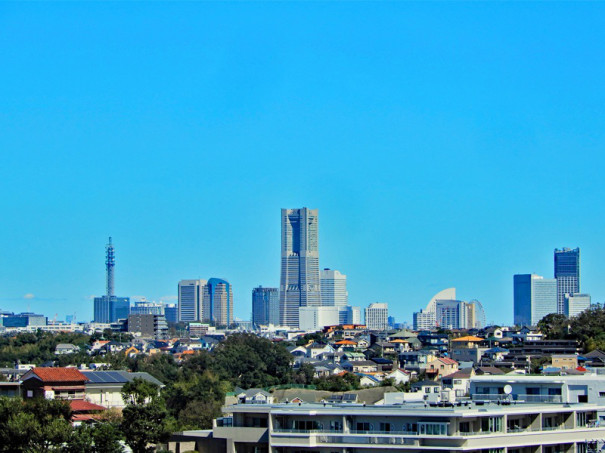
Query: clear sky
x=444 y=144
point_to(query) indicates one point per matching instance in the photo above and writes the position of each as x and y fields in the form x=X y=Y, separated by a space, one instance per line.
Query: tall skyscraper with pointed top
x=299 y=282
x=109 y=308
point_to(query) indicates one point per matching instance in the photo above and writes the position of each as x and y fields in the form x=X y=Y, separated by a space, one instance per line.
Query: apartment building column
x=345 y=426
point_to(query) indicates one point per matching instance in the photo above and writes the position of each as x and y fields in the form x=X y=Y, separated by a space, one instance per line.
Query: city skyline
x=433 y=139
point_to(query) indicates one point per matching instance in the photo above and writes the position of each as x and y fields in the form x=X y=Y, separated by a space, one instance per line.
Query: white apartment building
x=377 y=316
x=333 y=288
x=412 y=427
x=190 y=300
x=576 y=304
x=316 y=318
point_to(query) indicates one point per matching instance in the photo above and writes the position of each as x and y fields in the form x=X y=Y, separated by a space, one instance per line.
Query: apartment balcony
x=516 y=398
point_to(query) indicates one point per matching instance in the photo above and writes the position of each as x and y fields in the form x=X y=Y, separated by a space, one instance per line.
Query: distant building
x=190 y=300
x=109 y=309
x=148 y=325
x=333 y=288
x=299 y=282
x=147 y=308
x=23 y=320
x=171 y=312
x=376 y=316
x=567 y=273
x=534 y=298
x=217 y=302
x=316 y=318
x=576 y=304
x=265 y=306
x=349 y=315
x=446 y=311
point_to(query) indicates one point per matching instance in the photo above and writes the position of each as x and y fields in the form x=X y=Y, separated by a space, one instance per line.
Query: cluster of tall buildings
x=536 y=296
x=445 y=311
x=206 y=300
x=308 y=298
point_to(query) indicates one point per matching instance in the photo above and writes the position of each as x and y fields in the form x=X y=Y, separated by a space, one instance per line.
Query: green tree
x=37 y=425
x=250 y=361
x=145 y=425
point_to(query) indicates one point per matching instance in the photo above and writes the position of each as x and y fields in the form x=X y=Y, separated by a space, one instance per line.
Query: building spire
x=110 y=262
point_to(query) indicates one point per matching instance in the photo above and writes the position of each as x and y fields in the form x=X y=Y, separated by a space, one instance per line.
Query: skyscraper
x=567 y=273
x=299 y=283
x=217 y=302
x=377 y=316
x=109 y=308
x=534 y=298
x=333 y=288
x=190 y=300
x=265 y=306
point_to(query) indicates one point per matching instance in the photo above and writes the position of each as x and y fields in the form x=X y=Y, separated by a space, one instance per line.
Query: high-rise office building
x=190 y=300
x=299 y=282
x=217 y=302
x=110 y=308
x=171 y=312
x=333 y=288
x=446 y=311
x=576 y=304
x=534 y=298
x=265 y=306
x=377 y=316
x=567 y=273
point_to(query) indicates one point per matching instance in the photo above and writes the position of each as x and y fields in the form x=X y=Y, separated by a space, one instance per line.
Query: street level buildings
x=567 y=273
x=299 y=281
x=534 y=298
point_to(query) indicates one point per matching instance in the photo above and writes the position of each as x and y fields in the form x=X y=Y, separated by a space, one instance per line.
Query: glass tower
x=567 y=273
x=299 y=283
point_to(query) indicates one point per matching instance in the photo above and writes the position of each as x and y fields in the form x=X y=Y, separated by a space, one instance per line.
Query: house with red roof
x=54 y=383
x=61 y=383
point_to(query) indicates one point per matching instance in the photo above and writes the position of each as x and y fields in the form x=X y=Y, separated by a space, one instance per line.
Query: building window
x=491 y=424
x=581 y=419
x=385 y=427
x=363 y=426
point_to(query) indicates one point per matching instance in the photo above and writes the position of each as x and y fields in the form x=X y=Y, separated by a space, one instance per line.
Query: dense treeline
x=588 y=328
x=195 y=389
x=39 y=347
x=41 y=425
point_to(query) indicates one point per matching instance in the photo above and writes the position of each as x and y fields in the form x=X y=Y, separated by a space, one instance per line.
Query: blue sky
x=444 y=144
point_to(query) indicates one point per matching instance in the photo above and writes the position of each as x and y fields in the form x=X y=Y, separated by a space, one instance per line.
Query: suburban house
x=54 y=383
x=105 y=387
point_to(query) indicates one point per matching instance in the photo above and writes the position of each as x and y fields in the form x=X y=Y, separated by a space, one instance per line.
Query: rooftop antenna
x=110 y=262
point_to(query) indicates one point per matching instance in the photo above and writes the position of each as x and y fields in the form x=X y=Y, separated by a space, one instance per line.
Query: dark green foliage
x=250 y=361
x=160 y=366
x=33 y=425
x=304 y=374
x=145 y=425
x=310 y=337
x=336 y=383
x=588 y=328
x=139 y=392
x=39 y=347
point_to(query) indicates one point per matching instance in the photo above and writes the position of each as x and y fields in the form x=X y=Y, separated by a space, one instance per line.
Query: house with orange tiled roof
x=54 y=383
